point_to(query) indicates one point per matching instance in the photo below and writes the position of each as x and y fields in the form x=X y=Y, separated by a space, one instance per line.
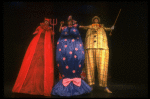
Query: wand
x=115 y=22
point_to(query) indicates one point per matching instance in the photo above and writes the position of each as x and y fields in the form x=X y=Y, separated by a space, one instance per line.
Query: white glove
x=112 y=27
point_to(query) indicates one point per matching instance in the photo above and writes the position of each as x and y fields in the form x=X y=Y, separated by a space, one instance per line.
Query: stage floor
x=118 y=91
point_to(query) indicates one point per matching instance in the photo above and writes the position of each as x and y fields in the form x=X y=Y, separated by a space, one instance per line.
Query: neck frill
x=45 y=27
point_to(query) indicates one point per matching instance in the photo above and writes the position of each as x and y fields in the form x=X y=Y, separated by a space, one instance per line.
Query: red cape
x=48 y=63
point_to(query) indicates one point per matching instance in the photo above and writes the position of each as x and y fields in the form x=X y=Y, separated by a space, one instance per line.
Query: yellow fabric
x=96 y=38
x=96 y=54
x=97 y=58
x=95 y=25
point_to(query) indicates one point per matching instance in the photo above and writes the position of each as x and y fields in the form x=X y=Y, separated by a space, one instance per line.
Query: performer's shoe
x=107 y=90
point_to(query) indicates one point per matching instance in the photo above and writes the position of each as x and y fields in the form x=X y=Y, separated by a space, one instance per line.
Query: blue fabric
x=70 y=61
x=71 y=89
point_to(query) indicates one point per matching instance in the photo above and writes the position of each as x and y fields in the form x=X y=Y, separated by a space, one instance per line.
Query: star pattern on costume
x=73 y=71
x=80 y=45
x=83 y=52
x=79 y=65
x=65 y=46
x=65 y=40
x=76 y=49
x=73 y=40
x=70 y=52
x=63 y=75
x=64 y=58
x=75 y=56
x=59 y=49
x=74 y=30
x=67 y=67
x=58 y=65
x=57 y=43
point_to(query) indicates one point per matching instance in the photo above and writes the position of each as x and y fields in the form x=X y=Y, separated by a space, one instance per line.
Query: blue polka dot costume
x=70 y=60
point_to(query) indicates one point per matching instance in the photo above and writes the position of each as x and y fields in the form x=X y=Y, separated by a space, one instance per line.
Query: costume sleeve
x=37 y=30
x=106 y=28
x=85 y=27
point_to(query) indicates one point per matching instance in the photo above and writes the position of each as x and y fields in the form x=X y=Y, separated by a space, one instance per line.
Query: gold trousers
x=97 y=57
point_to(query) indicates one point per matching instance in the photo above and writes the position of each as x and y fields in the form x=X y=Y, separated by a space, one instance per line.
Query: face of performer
x=95 y=20
x=46 y=23
x=69 y=23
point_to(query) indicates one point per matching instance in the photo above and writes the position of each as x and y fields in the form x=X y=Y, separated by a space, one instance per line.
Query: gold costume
x=96 y=53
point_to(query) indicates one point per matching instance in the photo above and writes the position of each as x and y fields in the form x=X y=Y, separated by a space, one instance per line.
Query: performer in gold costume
x=97 y=52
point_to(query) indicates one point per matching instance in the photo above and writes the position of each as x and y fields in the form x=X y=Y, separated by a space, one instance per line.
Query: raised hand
x=61 y=23
x=112 y=28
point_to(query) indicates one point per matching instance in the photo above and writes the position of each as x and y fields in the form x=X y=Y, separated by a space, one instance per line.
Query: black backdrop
x=128 y=43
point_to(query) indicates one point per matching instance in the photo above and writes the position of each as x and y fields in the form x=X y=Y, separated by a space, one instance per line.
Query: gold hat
x=95 y=17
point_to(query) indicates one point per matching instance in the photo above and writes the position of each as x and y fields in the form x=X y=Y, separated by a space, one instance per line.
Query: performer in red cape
x=36 y=75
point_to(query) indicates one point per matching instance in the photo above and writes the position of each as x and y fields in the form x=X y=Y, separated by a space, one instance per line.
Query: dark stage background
x=128 y=43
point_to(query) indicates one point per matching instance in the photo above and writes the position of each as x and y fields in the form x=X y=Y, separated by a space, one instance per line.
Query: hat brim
x=95 y=17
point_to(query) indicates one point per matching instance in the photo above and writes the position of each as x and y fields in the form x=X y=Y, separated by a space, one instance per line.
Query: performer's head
x=46 y=21
x=95 y=19
x=70 y=21
x=70 y=17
